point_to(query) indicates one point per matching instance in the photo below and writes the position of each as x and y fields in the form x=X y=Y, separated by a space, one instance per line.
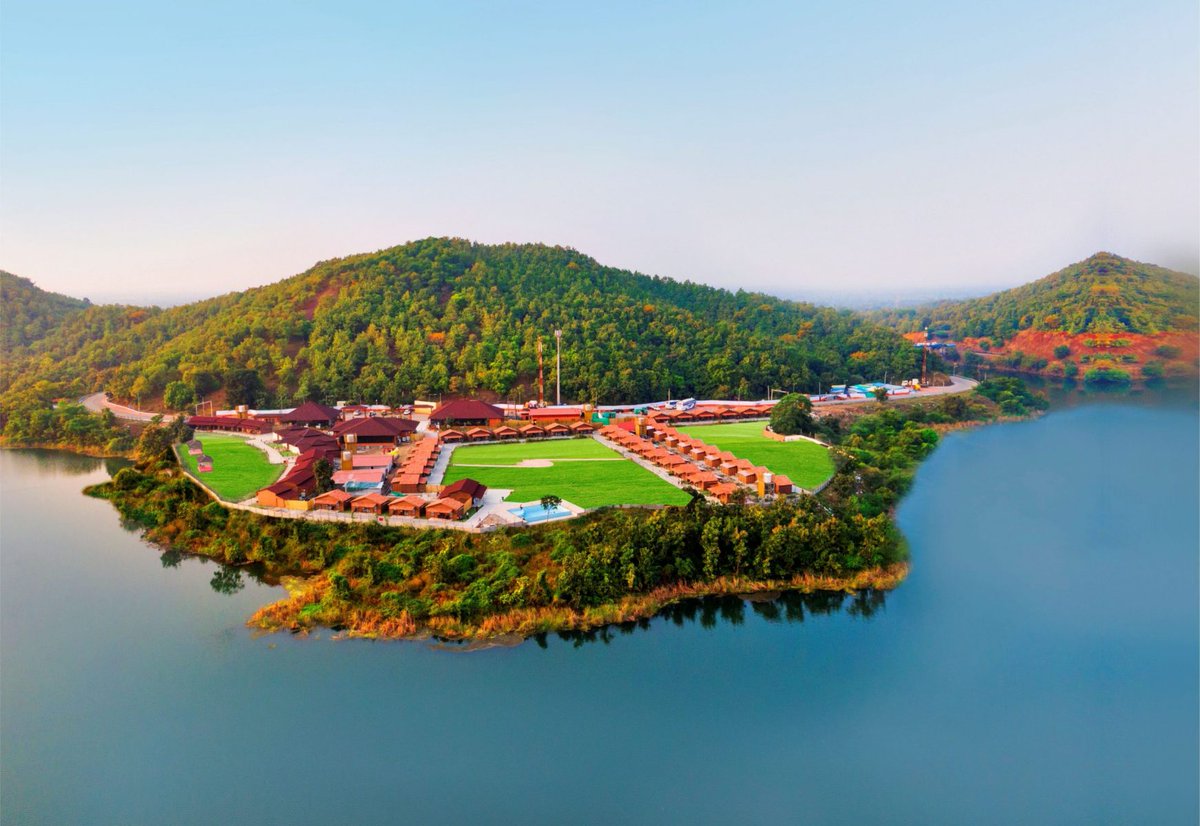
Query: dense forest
x=1104 y=294
x=29 y=314
x=447 y=316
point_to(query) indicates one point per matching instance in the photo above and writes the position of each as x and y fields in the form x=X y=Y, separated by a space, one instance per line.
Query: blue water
x=1038 y=666
x=537 y=513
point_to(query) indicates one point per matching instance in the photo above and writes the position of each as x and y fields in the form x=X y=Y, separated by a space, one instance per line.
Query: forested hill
x=28 y=313
x=1104 y=294
x=447 y=316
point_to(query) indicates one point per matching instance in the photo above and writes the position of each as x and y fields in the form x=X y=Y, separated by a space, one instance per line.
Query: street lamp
x=558 y=366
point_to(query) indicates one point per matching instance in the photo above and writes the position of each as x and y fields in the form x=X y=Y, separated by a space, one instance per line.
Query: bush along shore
x=609 y=566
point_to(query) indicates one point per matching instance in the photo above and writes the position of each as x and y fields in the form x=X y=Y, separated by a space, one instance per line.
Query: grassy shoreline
x=287 y=614
x=82 y=450
x=381 y=582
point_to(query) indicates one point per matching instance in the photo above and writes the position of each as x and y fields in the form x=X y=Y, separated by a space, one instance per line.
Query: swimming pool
x=536 y=513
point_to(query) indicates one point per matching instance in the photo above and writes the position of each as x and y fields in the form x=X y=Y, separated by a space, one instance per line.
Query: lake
x=1038 y=666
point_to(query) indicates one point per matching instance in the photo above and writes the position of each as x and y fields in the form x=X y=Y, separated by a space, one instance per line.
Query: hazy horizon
x=153 y=154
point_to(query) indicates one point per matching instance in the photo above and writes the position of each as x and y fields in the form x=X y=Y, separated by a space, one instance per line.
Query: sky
x=157 y=152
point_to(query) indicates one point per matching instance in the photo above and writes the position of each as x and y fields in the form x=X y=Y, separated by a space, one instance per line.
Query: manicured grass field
x=512 y=453
x=239 y=469
x=805 y=463
x=592 y=482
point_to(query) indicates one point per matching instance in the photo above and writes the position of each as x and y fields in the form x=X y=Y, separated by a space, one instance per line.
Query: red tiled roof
x=469 y=486
x=376 y=426
x=311 y=411
x=465 y=409
x=333 y=497
x=444 y=504
x=228 y=423
x=556 y=413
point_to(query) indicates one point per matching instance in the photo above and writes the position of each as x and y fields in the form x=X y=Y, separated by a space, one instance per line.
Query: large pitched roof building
x=468 y=412
x=312 y=413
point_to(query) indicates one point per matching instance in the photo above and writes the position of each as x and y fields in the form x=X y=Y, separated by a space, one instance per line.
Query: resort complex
x=476 y=466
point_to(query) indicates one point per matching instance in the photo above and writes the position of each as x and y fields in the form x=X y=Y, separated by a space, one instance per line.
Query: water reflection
x=709 y=612
x=64 y=463
x=1066 y=393
x=226 y=580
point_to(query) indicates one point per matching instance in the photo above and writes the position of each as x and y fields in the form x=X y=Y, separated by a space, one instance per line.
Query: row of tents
x=717 y=472
x=505 y=432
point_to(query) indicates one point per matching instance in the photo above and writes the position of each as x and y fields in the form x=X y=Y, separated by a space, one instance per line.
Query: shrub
x=1106 y=375
x=1062 y=351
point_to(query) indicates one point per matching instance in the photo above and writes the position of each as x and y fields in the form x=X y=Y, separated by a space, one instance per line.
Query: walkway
x=648 y=465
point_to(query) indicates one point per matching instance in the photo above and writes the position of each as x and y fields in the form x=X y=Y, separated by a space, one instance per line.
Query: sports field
x=239 y=469
x=807 y=464
x=581 y=471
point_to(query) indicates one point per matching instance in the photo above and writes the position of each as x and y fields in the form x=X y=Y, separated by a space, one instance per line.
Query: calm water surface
x=1038 y=666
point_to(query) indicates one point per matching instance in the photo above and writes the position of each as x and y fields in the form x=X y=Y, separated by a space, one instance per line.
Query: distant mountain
x=451 y=317
x=1105 y=319
x=1104 y=294
x=29 y=313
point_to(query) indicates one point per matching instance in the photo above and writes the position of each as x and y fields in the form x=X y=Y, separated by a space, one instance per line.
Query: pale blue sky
x=150 y=151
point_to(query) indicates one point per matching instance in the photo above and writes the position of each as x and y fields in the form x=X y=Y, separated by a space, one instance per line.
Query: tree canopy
x=1104 y=294
x=448 y=316
x=792 y=415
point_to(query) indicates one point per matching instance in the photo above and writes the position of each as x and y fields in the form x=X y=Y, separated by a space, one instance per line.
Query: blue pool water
x=536 y=513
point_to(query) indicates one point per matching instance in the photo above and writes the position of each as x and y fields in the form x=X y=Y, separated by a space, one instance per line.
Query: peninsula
x=383 y=434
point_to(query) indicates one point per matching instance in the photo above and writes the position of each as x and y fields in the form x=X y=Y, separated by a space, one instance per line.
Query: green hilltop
x=452 y=317
x=1103 y=294
x=29 y=313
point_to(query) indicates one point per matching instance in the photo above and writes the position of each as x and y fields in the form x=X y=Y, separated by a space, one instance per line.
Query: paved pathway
x=958 y=384
x=441 y=463
x=98 y=402
x=648 y=465
x=273 y=455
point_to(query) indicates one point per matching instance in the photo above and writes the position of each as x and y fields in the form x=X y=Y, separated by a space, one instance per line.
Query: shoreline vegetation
x=611 y=566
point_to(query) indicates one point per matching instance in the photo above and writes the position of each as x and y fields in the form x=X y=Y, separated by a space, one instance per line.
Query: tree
x=323 y=471
x=204 y=382
x=178 y=395
x=792 y=415
x=243 y=386
x=550 y=502
x=155 y=442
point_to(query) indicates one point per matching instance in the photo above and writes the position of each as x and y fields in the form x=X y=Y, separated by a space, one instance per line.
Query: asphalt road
x=98 y=402
x=958 y=384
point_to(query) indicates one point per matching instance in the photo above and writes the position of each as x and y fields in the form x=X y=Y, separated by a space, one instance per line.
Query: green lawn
x=805 y=463
x=513 y=452
x=239 y=469
x=588 y=484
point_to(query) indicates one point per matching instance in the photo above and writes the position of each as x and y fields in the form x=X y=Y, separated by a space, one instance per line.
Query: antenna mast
x=924 y=356
x=558 y=366
x=541 y=386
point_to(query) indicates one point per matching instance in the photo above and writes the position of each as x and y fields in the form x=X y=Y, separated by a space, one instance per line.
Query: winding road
x=958 y=384
x=98 y=402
